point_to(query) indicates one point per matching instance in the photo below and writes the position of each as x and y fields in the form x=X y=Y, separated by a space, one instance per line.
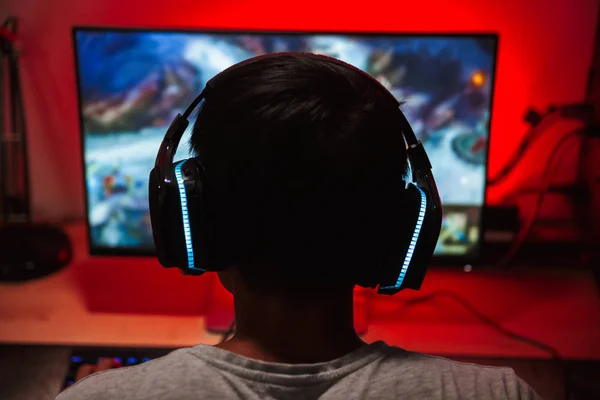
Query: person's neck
x=311 y=329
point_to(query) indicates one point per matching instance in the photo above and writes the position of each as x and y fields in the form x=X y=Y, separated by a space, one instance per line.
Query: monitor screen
x=132 y=83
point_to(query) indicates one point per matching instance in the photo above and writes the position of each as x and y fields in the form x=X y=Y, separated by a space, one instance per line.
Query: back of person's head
x=304 y=162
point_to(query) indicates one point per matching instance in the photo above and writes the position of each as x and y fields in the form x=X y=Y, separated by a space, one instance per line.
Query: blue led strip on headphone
x=186 y=217
x=413 y=242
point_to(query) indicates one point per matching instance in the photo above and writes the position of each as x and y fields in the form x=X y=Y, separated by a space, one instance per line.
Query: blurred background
x=505 y=96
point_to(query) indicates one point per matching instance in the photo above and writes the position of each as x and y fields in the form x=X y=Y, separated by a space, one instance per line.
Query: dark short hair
x=304 y=163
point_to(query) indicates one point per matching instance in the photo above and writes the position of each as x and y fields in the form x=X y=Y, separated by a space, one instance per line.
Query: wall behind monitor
x=544 y=55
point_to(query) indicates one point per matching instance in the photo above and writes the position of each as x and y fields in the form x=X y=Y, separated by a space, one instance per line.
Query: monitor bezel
x=446 y=259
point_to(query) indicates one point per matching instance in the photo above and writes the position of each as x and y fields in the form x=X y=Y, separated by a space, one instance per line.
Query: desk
x=559 y=308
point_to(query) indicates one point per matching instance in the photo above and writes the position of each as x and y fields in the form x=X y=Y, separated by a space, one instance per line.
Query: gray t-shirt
x=376 y=371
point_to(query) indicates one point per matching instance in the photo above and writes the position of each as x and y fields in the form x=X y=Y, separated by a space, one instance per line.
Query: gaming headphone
x=182 y=230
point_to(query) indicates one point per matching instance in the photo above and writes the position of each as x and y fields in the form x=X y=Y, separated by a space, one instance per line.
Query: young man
x=304 y=161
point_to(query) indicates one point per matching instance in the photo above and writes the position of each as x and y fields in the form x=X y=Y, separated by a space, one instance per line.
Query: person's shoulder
x=114 y=383
x=469 y=380
x=445 y=365
x=437 y=365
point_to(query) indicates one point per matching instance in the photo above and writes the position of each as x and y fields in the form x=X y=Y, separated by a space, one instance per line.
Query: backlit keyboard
x=124 y=356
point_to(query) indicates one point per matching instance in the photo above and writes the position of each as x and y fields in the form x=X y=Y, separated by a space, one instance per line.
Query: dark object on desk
x=503 y=225
x=589 y=165
x=30 y=251
x=501 y=222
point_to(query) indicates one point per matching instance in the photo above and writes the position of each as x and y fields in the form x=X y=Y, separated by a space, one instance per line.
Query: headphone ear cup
x=198 y=223
x=422 y=241
x=399 y=244
x=178 y=217
x=156 y=206
x=168 y=206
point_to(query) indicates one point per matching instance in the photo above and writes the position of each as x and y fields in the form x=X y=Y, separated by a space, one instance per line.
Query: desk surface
x=558 y=308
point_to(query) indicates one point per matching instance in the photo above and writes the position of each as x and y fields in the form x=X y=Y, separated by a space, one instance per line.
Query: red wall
x=545 y=52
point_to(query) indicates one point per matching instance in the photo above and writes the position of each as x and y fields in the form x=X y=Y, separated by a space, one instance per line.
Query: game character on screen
x=300 y=190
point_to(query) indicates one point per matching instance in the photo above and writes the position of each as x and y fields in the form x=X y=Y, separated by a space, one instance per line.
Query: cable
x=3 y=146
x=578 y=111
x=550 y=172
x=531 y=136
x=560 y=189
x=486 y=320
x=14 y=191
x=19 y=129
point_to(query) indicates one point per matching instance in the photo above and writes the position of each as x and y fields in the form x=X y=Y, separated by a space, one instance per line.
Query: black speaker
x=32 y=251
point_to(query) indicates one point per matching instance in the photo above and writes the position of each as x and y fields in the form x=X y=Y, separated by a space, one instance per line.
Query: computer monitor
x=132 y=82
